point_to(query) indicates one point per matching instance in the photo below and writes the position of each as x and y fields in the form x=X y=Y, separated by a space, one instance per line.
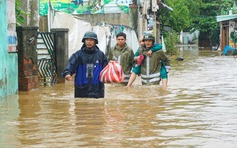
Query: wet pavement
x=197 y=110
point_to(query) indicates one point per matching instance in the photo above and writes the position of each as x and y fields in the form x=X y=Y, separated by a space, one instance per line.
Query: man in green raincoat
x=137 y=69
x=123 y=54
x=151 y=67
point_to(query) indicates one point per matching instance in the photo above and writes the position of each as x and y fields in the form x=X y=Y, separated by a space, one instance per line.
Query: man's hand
x=149 y=53
x=137 y=58
x=68 y=77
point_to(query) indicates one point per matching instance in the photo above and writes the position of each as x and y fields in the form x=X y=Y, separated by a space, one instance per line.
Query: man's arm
x=156 y=47
x=71 y=66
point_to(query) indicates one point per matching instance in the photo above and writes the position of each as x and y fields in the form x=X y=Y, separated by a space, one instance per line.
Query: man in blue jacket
x=87 y=63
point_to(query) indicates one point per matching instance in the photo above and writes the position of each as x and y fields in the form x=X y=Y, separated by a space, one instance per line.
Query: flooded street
x=199 y=109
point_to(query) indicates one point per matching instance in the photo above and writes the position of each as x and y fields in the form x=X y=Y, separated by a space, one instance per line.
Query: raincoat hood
x=92 y=50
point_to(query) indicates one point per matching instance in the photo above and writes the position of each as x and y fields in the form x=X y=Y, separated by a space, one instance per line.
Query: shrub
x=171 y=40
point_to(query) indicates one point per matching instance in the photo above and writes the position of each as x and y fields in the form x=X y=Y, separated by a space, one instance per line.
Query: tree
x=206 y=22
x=179 y=19
x=181 y=16
x=19 y=18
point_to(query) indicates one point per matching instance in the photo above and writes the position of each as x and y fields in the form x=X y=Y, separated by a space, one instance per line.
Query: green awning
x=222 y=18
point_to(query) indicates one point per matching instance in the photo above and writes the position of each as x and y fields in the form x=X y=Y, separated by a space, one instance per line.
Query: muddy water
x=197 y=110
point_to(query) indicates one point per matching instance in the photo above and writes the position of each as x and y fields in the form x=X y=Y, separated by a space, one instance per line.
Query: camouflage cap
x=148 y=37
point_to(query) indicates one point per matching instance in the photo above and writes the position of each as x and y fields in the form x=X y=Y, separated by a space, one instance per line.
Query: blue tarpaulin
x=228 y=50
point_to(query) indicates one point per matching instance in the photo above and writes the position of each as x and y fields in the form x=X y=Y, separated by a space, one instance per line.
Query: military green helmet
x=90 y=35
x=148 y=37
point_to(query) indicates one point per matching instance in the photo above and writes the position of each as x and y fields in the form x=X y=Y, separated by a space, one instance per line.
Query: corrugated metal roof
x=222 y=18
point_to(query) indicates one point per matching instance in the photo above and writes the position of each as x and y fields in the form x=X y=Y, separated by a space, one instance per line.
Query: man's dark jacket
x=87 y=65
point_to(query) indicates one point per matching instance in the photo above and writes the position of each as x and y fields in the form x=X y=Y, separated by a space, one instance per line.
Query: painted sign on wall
x=9 y=61
x=11 y=27
x=85 y=6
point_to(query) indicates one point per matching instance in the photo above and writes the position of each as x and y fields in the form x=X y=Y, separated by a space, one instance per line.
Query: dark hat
x=90 y=35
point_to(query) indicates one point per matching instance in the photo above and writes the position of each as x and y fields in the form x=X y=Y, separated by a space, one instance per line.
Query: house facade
x=8 y=54
x=228 y=30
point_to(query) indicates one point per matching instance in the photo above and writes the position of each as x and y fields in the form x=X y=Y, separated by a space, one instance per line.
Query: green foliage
x=233 y=36
x=194 y=7
x=181 y=16
x=225 y=6
x=234 y=10
x=205 y=24
x=171 y=40
x=206 y=21
x=19 y=18
x=191 y=15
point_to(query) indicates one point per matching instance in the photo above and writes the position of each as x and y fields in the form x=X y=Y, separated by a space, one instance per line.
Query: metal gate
x=46 y=58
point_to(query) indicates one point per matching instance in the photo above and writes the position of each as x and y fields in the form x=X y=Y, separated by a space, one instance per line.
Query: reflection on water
x=197 y=110
x=9 y=113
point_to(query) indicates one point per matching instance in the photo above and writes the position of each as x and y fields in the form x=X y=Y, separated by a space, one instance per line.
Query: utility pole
x=31 y=9
x=154 y=26
x=149 y=10
x=154 y=9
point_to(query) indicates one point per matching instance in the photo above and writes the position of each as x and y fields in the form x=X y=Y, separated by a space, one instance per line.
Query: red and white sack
x=112 y=73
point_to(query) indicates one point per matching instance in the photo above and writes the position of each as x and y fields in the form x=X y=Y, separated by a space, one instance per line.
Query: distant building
x=228 y=28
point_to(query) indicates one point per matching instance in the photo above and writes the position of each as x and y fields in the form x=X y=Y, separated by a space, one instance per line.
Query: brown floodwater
x=199 y=109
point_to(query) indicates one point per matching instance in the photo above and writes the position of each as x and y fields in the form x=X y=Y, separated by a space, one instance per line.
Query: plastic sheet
x=112 y=73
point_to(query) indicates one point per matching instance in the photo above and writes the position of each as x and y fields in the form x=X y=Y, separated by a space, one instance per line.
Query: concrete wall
x=27 y=58
x=8 y=61
x=112 y=18
x=128 y=19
